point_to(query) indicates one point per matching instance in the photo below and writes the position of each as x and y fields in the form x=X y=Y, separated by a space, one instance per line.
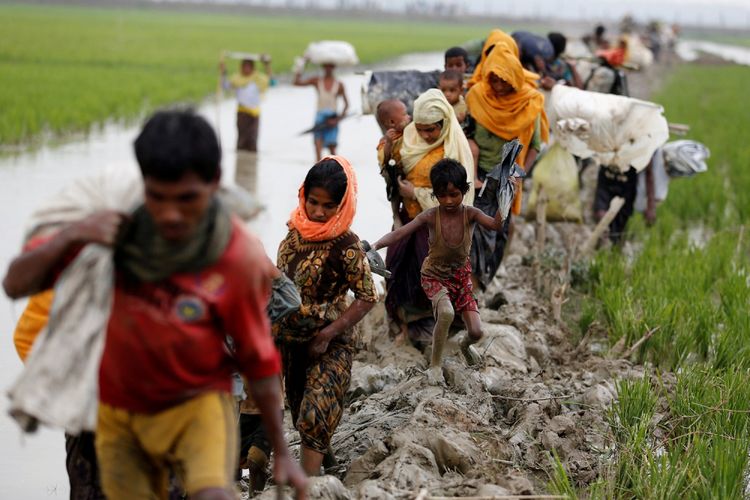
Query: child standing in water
x=446 y=272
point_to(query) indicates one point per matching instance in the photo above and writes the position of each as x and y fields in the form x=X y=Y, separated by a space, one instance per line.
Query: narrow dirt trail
x=493 y=428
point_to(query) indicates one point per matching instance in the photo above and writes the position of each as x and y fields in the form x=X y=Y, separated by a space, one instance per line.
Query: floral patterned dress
x=324 y=272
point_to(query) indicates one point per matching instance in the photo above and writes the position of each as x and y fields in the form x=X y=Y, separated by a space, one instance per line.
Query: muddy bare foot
x=435 y=376
x=470 y=352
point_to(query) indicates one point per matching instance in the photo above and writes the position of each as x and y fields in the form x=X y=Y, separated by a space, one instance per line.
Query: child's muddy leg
x=444 y=314
x=473 y=335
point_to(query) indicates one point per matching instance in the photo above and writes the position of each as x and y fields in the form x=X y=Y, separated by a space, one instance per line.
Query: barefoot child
x=446 y=273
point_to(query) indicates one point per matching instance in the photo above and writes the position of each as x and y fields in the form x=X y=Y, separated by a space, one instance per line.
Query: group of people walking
x=191 y=285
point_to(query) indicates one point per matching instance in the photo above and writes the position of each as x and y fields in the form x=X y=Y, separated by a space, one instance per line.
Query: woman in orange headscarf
x=505 y=106
x=325 y=260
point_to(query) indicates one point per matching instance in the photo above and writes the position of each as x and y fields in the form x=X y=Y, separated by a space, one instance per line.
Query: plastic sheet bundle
x=404 y=85
x=685 y=158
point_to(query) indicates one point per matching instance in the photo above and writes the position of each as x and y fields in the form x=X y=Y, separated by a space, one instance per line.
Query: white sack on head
x=614 y=130
x=332 y=52
x=637 y=53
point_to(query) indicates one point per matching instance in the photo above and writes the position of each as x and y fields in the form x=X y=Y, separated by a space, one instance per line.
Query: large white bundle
x=614 y=130
x=332 y=52
x=637 y=52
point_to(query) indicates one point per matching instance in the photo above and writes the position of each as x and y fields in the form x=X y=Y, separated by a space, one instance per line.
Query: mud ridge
x=492 y=429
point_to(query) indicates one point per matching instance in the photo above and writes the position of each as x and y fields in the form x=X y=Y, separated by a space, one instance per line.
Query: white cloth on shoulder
x=58 y=386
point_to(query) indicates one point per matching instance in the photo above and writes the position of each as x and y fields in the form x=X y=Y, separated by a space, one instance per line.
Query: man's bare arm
x=31 y=271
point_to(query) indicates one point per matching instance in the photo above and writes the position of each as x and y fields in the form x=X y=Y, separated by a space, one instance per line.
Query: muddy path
x=491 y=430
x=488 y=431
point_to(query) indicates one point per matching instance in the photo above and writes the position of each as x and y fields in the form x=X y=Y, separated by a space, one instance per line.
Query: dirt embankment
x=492 y=429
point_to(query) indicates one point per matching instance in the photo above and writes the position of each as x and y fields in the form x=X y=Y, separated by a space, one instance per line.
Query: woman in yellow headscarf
x=498 y=37
x=505 y=106
x=434 y=134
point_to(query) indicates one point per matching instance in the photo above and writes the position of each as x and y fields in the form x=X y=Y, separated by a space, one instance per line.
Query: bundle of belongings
x=616 y=131
x=556 y=172
x=58 y=386
x=685 y=158
x=335 y=52
x=404 y=85
x=675 y=159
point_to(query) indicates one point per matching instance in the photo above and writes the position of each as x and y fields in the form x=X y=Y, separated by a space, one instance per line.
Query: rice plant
x=65 y=68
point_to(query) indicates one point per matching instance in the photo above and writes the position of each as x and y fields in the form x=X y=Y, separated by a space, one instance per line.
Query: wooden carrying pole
x=614 y=208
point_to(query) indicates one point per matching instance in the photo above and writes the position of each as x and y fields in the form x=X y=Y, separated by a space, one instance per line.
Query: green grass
x=701 y=449
x=66 y=68
x=696 y=292
x=742 y=41
x=696 y=295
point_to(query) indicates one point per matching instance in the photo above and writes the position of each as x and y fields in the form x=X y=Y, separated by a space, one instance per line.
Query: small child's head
x=457 y=59
x=325 y=187
x=247 y=66
x=449 y=182
x=392 y=114
x=451 y=83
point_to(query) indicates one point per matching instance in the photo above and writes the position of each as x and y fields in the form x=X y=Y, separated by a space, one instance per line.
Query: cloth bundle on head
x=511 y=116
x=615 y=130
x=499 y=38
x=340 y=222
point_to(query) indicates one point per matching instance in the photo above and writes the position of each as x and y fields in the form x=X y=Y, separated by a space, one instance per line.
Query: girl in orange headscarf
x=325 y=260
x=505 y=106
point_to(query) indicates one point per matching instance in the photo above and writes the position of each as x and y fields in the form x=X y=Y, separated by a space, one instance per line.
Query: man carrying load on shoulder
x=187 y=277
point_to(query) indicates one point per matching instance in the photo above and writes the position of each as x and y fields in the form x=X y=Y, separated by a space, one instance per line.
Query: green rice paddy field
x=66 y=68
x=684 y=430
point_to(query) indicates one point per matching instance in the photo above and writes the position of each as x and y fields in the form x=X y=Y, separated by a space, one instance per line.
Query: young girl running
x=325 y=260
x=446 y=272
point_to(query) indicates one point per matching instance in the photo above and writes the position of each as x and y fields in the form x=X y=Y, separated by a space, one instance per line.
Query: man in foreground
x=188 y=280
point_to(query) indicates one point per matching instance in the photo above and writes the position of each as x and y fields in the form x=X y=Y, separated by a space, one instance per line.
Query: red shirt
x=166 y=341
